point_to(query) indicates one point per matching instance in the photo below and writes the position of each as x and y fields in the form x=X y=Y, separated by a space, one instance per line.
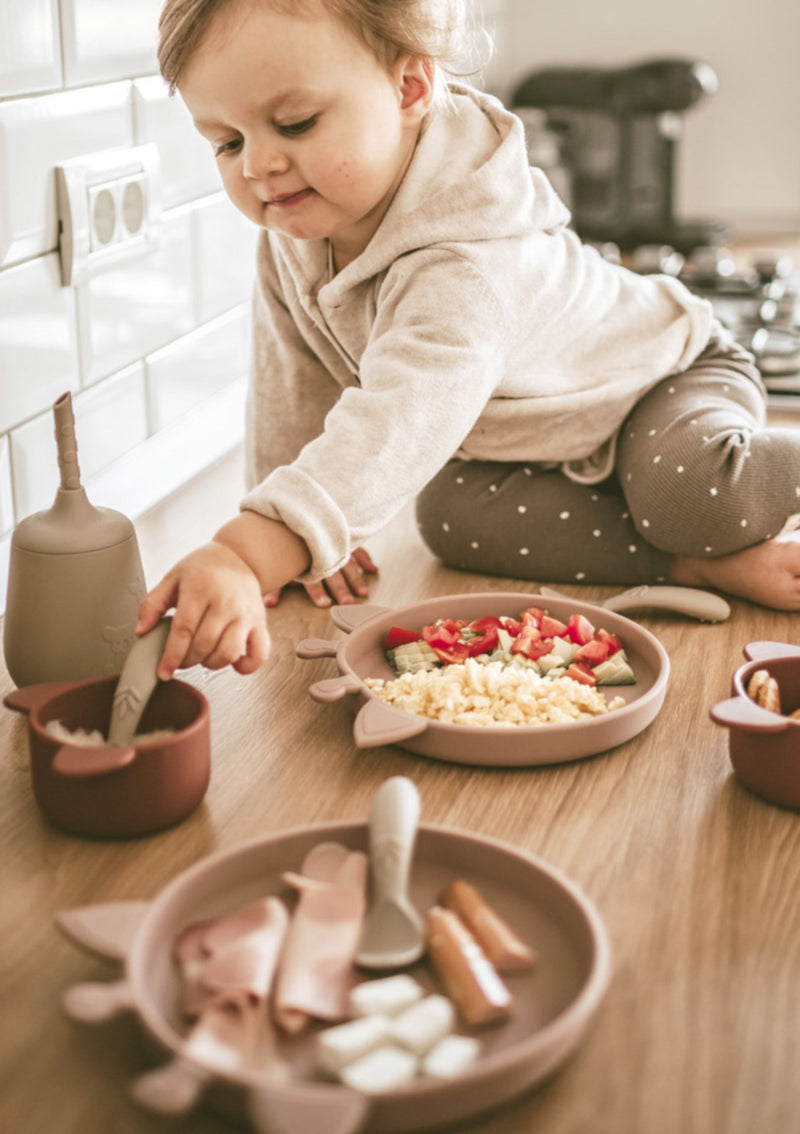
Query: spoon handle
x=136 y=682
x=393 y=827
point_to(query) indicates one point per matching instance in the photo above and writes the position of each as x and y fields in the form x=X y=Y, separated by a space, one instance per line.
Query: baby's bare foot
x=767 y=573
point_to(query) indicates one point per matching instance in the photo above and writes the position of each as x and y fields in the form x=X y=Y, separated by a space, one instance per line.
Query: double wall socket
x=108 y=207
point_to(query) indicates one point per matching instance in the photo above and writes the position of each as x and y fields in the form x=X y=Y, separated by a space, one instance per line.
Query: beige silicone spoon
x=136 y=682
x=392 y=935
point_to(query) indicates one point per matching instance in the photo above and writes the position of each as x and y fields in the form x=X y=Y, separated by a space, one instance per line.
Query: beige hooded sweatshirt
x=474 y=324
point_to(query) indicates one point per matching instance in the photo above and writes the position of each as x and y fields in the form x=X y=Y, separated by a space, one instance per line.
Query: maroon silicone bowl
x=361 y=655
x=116 y=792
x=765 y=747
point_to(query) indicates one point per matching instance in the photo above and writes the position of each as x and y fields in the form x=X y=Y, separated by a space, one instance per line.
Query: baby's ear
x=415 y=86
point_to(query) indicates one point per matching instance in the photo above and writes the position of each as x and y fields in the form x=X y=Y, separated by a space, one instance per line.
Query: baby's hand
x=341 y=587
x=219 y=614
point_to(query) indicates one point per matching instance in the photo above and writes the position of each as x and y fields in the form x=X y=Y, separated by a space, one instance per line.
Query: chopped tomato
x=552 y=627
x=399 y=636
x=592 y=652
x=512 y=626
x=613 y=641
x=486 y=631
x=443 y=633
x=453 y=655
x=579 y=671
x=580 y=629
x=532 y=648
x=532 y=616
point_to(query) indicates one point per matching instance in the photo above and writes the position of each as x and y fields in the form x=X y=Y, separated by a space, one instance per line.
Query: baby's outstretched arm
x=217 y=592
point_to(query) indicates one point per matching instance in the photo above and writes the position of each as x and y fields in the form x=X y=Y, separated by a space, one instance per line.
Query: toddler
x=427 y=326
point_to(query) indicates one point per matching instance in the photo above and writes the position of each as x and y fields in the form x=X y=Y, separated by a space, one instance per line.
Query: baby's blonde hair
x=435 y=30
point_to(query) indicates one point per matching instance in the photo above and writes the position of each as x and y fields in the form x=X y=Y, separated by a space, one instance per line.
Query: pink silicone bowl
x=121 y=791
x=361 y=655
x=765 y=747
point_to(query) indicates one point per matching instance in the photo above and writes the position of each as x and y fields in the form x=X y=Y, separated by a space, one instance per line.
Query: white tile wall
x=189 y=371
x=128 y=308
x=38 y=339
x=188 y=169
x=30 y=52
x=111 y=419
x=103 y=40
x=152 y=346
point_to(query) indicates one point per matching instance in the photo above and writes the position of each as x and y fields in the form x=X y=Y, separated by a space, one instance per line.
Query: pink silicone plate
x=361 y=655
x=555 y=1003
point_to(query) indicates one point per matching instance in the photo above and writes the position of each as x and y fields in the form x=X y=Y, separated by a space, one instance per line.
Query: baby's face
x=310 y=131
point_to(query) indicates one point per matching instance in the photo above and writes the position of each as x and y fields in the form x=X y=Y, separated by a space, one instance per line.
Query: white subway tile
x=110 y=419
x=172 y=456
x=130 y=307
x=30 y=52
x=35 y=135
x=6 y=497
x=106 y=39
x=188 y=371
x=188 y=169
x=225 y=255
x=38 y=341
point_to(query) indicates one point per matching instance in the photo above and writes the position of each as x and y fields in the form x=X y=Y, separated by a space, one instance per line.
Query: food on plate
x=387 y=995
x=93 y=738
x=502 y=671
x=506 y=951
x=451 y=1056
x=422 y=1025
x=376 y=1052
x=535 y=640
x=763 y=689
x=383 y=1069
x=492 y=695
x=237 y=953
x=262 y=965
x=464 y=971
x=316 y=970
x=345 y=1043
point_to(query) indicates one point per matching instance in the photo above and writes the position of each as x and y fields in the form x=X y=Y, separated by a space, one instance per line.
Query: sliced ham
x=316 y=969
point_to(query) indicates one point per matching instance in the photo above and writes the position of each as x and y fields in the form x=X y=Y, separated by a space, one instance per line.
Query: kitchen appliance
x=620 y=128
x=75 y=581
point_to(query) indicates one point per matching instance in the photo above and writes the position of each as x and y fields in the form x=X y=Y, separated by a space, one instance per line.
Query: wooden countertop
x=696 y=879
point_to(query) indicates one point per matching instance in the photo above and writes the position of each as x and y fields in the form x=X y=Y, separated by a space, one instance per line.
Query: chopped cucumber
x=615 y=670
x=413 y=657
x=504 y=639
x=564 y=650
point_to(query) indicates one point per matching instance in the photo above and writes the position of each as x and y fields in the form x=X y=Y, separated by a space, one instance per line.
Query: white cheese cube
x=383 y=1069
x=336 y=1047
x=423 y=1024
x=386 y=996
x=451 y=1056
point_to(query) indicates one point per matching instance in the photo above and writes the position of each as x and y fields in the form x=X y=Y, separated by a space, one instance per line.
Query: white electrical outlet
x=108 y=206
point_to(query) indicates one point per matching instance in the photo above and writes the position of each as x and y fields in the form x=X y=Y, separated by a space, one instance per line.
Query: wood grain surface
x=696 y=879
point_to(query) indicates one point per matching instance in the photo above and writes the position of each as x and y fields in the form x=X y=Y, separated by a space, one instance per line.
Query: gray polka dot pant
x=697 y=474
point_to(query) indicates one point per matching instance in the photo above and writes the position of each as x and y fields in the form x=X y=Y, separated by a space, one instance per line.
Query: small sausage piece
x=467 y=975
x=501 y=945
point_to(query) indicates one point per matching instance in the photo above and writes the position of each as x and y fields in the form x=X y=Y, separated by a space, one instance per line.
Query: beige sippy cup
x=75 y=581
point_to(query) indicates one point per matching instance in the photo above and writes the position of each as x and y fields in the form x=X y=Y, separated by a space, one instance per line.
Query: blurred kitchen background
x=125 y=275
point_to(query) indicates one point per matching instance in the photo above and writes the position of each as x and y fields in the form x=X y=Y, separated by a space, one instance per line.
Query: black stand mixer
x=619 y=129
